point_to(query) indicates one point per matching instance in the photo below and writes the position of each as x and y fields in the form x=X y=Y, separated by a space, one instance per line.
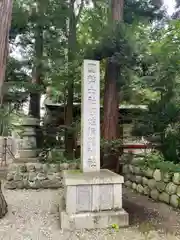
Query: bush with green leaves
x=111 y=147
x=156 y=160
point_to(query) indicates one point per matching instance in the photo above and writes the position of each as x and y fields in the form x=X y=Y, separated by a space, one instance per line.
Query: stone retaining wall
x=155 y=183
x=36 y=175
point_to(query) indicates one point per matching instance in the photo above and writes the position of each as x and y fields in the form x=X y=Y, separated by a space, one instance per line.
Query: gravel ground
x=33 y=216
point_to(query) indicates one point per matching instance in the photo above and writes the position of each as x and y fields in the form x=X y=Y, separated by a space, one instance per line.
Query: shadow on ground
x=149 y=214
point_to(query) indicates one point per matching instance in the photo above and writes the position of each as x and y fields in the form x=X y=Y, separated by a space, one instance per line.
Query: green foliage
x=155 y=160
x=163 y=112
x=55 y=155
x=171 y=147
x=112 y=147
x=10 y=119
x=147 y=55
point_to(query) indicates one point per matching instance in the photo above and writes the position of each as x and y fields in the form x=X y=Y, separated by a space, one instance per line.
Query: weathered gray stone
x=28 y=153
x=18 y=176
x=128 y=184
x=38 y=167
x=87 y=190
x=10 y=185
x=164 y=197
x=174 y=201
x=146 y=190
x=30 y=167
x=140 y=188
x=19 y=184
x=94 y=220
x=131 y=168
x=127 y=177
x=178 y=191
x=138 y=179
x=64 y=166
x=132 y=178
x=51 y=183
x=171 y=188
x=102 y=177
x=32 y=176
x=73 y=166
x=137 y=170
x=57 y=175
x=154 y=194
x=26 y=183
x=21 y=168
x=148 y=172
x=176 y=178
x=134 y=169
x=160 y=186
x=10 y=176
x=41 y=176
x=12 y=167
x=27 y=160
x=151 y=183
x=144 y=181
x=157 y=175
x=134 y=186
x=50 y=176
x=34 y=184
x=46 y=168
x=167 y=177
x=54 y=168
x=125 y=169
x=26 y=176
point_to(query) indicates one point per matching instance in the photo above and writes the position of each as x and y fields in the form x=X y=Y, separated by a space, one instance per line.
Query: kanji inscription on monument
x=90 y=116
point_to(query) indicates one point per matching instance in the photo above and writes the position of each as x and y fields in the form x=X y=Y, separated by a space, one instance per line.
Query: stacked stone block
x=155 y=183
x=36 y=175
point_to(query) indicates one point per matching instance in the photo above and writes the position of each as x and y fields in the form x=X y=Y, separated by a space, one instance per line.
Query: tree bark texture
x=35 y=95
x=110 y=126
x=69 y=134
x=3 y=204
x=5 y=24
x=111 y=103
x=111 y=100
x=117 y=8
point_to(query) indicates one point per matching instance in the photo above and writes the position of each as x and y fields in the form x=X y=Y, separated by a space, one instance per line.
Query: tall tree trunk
x=3 y=204
x=69 y=134
x=111 y=103
x=110 y=126
x=34 y=106
x=35 y=96
x=5 y=24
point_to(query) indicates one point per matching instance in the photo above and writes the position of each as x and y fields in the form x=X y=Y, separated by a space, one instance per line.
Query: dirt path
x=33 y=215
x=155 y=215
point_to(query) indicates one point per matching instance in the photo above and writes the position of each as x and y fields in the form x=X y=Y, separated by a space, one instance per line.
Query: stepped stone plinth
x=92 y=200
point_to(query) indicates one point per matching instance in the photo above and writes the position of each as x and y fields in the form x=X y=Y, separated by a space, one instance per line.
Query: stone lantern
x=29 y=151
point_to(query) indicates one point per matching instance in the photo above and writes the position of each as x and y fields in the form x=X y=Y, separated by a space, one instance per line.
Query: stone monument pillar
x=90 y=117
x=92 y=197
x=28 y=151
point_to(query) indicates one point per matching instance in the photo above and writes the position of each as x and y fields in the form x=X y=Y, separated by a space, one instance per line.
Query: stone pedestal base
x=92 y=200
x=94 y=220
x=28 y=153
x=27 y=160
